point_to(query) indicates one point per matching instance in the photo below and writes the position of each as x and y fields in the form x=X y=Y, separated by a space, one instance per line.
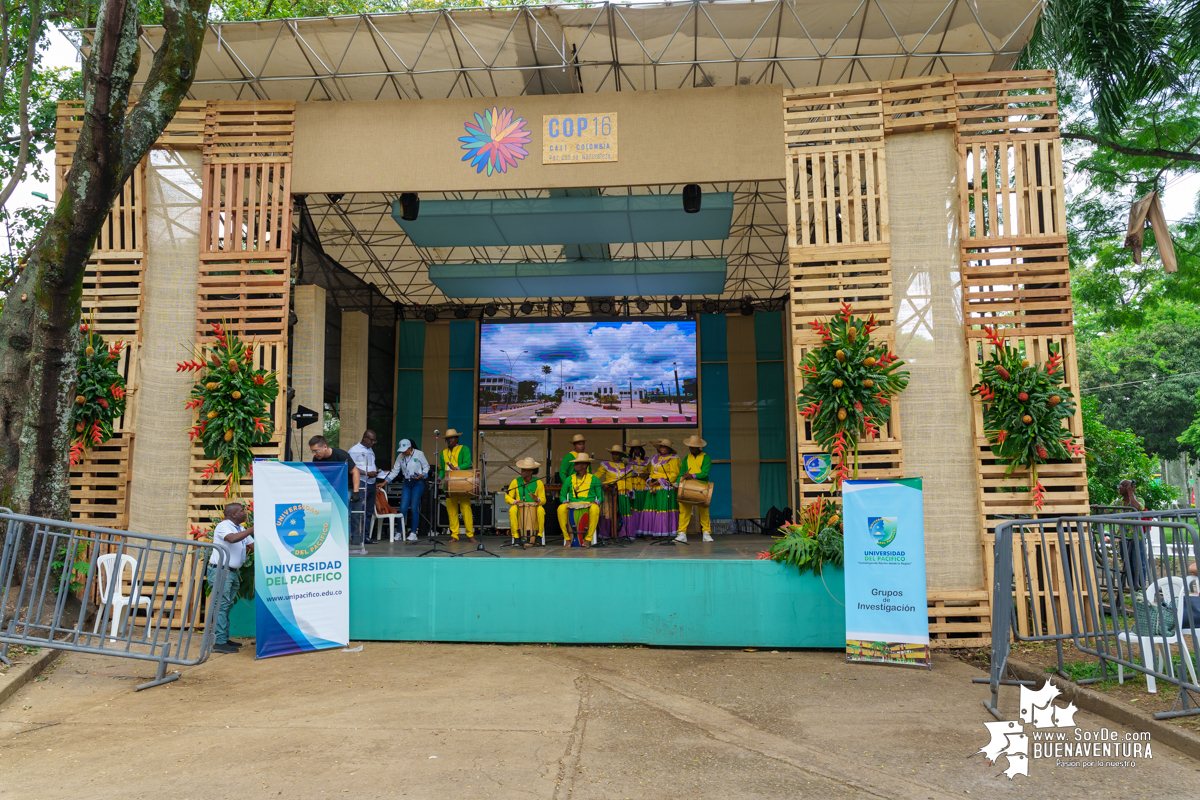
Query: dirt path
x=452 y=721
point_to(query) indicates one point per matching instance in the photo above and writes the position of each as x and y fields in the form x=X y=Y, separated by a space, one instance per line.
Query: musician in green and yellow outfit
x=582 y=486
x=696 y=465
x=456 y=456
x=526 y=489
x=578 y=445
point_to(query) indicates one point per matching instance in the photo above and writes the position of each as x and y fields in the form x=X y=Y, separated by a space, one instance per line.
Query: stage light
x=676 y=303
x=335 y=198
x=747 y=307
x=431 y=315
x=605 y=306
x=568 y=307
x=643 y=306
x=461 y=312
x=691 y=198
x=410 y=204
x=491 y=309
x=710 y=306
x=527 y=307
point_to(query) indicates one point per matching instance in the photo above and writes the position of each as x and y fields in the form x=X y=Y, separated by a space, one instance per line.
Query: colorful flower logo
x=495 y=141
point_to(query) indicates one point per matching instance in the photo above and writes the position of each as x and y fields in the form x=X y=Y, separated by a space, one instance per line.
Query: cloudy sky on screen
x=592 y=352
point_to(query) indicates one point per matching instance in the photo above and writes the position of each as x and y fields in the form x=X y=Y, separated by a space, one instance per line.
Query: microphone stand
x=481 y=547
x=437 y=485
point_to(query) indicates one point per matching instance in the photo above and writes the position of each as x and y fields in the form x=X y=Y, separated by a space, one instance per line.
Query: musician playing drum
x=696 y=467
x=455 y=457
x=581 y=487
x=524 y=490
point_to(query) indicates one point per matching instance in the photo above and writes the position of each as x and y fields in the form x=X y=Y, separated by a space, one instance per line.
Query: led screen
x=625 y=373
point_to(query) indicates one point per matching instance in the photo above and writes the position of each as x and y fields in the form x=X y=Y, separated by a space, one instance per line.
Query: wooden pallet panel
x=100 y=484
x=1025 y=285
x=818 y=288
x=246 y=207
x=1013 y=189
x=838 y=197
x=833 y=115
x=186 y=128
x=920 y=104
x=255 y=131
x=248 y=296
x=1007 y=103
x=113 y=295
x=960 y=618
x=881 y=460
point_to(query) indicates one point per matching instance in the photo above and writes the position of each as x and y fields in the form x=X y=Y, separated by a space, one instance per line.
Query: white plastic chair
x=377 y=525
x=120 y=602
x=1154 y=648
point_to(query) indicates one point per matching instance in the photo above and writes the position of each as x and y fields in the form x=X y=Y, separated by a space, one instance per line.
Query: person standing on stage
x=581 y=487
x=364 y=459
x=614 y=477
x=526 y=489
x=578 y=445
x=697 y=464
x=638 y=468
x=412 y=467
x=662 y=510
x=322 y=452
x=456 y=456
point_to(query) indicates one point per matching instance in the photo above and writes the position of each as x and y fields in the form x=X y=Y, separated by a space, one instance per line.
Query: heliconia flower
x=993 y=336
x=195 y=402
x=76 y=453
x=1041 y=451
x=1000 y=437
x=209 y=470
x=871 y=324
x=97 y=433
x=249 y=354
x=114 y=351
x=193 y=432
x=845 y=311
x=764 y=556
x=118 y=391
x=1039 y=495
x=83 y=327
x=986 y=393
x=1073 y=447
x=882 y=399
x=189 y=366
x=260 y=380
x=258 y=425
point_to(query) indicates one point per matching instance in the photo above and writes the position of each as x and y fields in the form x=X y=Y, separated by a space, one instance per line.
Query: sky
x=590 y=353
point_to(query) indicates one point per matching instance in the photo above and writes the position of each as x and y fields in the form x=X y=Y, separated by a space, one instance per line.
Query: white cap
x=404 y=445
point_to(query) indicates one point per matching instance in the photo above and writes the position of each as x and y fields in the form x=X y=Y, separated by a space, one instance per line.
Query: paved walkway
x=444 y=722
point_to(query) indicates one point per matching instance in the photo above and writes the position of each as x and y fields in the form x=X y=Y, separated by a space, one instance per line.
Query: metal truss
x=358 y=232
x=600 y=47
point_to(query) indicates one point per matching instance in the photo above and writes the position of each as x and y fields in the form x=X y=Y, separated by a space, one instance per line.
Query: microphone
x=436 y=431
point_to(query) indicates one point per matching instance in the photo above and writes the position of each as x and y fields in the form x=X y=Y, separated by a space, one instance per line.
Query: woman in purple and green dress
x=661 y=517
x=638 y=468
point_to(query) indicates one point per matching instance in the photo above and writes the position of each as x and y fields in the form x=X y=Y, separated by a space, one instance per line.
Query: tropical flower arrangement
x=246 y=572
x=1024 y=407
x=849 y=382
x=100 y=392
x=232 y=400
x=813 y=541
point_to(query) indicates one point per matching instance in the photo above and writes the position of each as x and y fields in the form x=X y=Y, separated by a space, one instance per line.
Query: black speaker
x=410 y=205
x=691 y=198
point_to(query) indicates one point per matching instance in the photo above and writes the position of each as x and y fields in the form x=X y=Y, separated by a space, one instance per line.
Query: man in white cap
x=565 y=469
x=697 y=465
x=456 y=457
x=526 y=489
x=411 y=466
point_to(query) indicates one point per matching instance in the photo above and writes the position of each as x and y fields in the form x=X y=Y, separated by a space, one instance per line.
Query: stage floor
x=726 y=547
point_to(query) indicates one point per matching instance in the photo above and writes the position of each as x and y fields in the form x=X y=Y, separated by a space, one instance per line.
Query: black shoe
x=224 y=647
x=233 y=643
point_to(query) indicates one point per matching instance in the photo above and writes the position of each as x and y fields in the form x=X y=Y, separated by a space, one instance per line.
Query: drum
x=527 y=521
x=462 y=482
x=694 y=492
x=577 y=518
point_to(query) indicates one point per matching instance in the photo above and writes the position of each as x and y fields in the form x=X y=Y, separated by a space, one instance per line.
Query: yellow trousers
x=565 y=526
x=514 y=517
x=455 y=503
x=685 y=516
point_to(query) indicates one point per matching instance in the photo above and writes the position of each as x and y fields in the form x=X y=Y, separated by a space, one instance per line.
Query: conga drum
x=527 y=522
x=577 y=519
x=694 y=492
x=462 y=482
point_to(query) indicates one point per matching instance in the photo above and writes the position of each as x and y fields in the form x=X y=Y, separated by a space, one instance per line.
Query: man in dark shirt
x=322 y=452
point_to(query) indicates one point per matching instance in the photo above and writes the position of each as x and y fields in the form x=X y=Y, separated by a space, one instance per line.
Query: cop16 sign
x=578 y=138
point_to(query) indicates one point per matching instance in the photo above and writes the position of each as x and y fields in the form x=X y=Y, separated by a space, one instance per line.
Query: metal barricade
x=154 y=583
x=1115 y=585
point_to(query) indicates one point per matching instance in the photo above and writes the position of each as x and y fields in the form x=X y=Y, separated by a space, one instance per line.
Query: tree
x=39 y=325
x=1114 y=455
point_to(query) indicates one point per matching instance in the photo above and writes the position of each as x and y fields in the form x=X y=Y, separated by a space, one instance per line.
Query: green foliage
x=233 y=400
x=64 y=556
x=99 y=392
x=814 y=541
x=1113 y=456
x=1143 y=377
x=848 y=383
x=1025 y=406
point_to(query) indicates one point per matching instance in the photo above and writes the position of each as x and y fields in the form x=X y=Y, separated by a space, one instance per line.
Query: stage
x=701 y=594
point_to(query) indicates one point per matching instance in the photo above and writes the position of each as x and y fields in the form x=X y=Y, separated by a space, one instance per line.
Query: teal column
x=772 y=411
x=714 y=409
x=410 y=380
x=460 y=404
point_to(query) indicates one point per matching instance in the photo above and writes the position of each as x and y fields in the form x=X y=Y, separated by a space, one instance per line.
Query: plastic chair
x=1153 y=647
x=119 y=602
x=391 y=519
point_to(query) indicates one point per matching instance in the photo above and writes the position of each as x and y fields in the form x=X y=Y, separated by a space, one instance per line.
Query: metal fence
x=1120 y=586
x=143 y=594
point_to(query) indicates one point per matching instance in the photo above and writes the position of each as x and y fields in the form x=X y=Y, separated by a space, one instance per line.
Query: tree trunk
x=39 y=326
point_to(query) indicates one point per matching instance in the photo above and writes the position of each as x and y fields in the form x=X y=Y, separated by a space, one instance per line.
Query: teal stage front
x=673 y=601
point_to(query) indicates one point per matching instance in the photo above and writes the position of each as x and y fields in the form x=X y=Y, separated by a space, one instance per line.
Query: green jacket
x=592 y=492
x=463 y=461
x=567 y=468
x=702 y=472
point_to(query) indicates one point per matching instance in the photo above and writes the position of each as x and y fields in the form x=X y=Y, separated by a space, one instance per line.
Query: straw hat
x=527 y=463
x=694 y=441
x=452 y=434
x=616 y=448
x=579 y=437
x=663 y=443
x=582 y=458
x=635 y=443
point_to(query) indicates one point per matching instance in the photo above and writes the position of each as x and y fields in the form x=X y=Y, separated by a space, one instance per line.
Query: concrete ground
x=455 y=721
